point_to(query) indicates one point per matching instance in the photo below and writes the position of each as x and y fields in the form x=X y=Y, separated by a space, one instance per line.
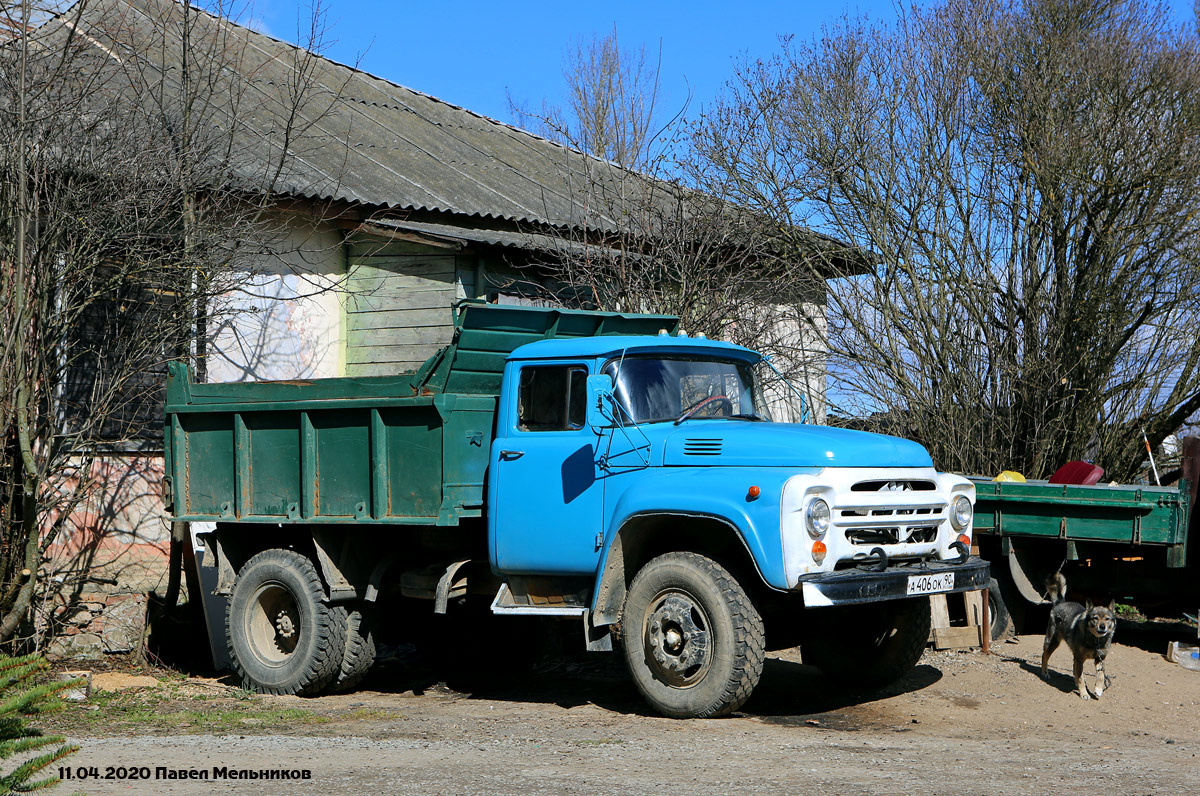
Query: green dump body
x=1128 y=514
x=409 y=449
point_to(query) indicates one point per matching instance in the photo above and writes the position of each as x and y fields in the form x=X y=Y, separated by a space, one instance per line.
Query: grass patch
x=162 y=710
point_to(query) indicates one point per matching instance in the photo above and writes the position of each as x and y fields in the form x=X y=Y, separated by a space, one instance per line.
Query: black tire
x=869 y=645
x=360 y=650
x=282 y=637
x=1015 y=605
x=1001 y=625
x=693 y=639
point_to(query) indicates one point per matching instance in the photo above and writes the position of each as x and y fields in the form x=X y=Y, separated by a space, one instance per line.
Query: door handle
x=511 y=454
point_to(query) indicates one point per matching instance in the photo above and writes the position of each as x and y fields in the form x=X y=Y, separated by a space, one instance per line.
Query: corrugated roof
x=555 y=245
x=365 y=139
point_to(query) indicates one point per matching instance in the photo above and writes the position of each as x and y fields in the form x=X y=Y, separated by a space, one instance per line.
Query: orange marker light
x=966 y=540
x=753 y=492
x=818 y=552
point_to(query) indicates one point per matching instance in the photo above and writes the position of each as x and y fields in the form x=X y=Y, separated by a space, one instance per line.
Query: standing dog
x=1087 y=630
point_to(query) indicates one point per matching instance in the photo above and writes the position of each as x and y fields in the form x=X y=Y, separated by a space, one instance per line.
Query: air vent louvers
x=702 y=447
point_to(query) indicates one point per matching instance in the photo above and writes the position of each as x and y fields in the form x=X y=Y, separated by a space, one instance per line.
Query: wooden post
x=985 y=634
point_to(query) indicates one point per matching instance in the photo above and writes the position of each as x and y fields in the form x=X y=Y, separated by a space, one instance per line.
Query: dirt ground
x=960 y=723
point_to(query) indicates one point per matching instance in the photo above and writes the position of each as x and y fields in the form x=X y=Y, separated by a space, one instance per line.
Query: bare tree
x=1023 y=178
x=132 y=202
x=645 y=239
x=612 y=103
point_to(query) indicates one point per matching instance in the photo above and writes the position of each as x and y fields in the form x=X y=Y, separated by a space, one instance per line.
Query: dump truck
x=1130 y=542
x=599 y=468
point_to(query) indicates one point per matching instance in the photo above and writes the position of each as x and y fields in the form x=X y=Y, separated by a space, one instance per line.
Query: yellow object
x=1010 y=475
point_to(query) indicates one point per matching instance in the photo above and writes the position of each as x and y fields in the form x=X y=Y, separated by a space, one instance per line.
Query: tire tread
x=329 y=628
x=749 y=637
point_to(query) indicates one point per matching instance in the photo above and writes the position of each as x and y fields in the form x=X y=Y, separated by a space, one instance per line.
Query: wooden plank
x=416 y=299
x=955 y=637
x=396 y=283
x=401 y=319
x=407 y=336
x=372 y=249
x=361 y=355
x=401 y=264
x=939 y=613
x=398 y=288
x=973 y=601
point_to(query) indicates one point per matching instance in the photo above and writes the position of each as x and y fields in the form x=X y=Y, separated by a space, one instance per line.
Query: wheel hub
x=273 y=624
x=285 y=625
x=677 y=639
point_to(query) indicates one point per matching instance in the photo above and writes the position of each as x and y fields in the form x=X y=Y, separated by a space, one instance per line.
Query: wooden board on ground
x=942 y=635
x=956 y=637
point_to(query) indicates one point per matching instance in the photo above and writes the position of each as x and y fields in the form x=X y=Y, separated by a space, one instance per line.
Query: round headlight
x=960 y=512
x=816 y=518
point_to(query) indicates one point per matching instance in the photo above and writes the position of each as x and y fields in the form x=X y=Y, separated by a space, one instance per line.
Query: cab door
x=546 y=494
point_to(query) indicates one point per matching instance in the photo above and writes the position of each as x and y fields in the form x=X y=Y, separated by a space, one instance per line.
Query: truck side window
x=552 y=398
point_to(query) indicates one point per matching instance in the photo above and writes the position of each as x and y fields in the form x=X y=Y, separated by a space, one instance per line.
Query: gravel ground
x=960 y=723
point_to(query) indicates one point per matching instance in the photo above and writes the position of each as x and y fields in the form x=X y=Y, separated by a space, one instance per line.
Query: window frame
x=571 y=368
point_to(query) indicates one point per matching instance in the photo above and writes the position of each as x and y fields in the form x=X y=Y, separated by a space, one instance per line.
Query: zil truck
x=592 y=467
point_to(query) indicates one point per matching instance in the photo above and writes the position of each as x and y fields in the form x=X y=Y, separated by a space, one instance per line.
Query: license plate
x=930 y=584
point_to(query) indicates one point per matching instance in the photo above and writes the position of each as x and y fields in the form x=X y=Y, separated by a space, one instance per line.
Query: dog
x=1087 y=630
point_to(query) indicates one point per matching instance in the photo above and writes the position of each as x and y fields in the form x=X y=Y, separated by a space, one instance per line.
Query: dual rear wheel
x=284 y=637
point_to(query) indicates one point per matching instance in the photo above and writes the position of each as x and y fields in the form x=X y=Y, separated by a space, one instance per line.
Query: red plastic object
x=1081 y=473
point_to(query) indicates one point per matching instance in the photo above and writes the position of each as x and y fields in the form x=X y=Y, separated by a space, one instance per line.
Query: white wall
x=284 y=320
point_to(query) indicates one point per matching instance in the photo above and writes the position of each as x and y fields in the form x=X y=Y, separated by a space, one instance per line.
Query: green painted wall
x=397 y=309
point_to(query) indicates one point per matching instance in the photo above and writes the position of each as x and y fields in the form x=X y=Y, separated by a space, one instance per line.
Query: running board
x=506 y=603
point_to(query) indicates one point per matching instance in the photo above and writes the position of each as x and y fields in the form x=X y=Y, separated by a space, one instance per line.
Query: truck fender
x=624 y=545
x=219 y=557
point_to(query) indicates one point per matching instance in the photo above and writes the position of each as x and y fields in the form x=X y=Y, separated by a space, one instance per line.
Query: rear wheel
x=360 y=649
x=693 y=639
x=868 y=645
x=998 y=616
x=282 y=637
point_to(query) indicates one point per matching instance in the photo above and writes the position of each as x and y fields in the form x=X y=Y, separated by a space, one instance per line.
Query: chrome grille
x=894 y=486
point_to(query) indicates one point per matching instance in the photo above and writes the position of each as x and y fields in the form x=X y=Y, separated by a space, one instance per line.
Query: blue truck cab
x=641 y=473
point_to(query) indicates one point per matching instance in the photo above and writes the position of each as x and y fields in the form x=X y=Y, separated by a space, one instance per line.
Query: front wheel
x=869 y=645
x=693 y=639
x=282 y=637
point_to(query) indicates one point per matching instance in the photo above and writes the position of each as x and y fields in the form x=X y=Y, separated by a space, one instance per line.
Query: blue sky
x=470 y=53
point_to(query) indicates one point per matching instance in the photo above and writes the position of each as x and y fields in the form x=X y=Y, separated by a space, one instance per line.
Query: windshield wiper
x=750 y=416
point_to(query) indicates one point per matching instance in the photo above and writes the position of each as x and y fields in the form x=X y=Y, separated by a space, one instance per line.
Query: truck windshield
x=653 y=389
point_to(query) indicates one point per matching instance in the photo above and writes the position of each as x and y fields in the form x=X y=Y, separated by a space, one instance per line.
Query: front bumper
x=853 y=586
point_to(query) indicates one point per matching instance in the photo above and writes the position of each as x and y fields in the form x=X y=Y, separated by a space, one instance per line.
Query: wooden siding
x=398 y=307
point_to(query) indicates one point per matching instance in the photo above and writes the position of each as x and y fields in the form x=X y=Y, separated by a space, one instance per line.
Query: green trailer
x=1117 y=541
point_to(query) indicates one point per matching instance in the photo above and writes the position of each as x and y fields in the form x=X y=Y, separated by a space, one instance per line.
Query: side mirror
x=600 y=402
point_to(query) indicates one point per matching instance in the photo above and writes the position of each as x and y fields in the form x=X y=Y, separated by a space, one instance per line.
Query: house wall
x=109 y=551
x=283 y=320
x=398 y=304
x=795 y=338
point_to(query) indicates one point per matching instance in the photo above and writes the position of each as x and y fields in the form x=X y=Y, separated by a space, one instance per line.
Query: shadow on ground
x=789 y=692
x=1062 y=680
